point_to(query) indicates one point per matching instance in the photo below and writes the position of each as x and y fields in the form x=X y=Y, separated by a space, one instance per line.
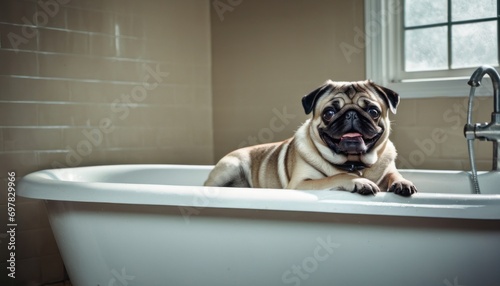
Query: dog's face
x=350 y=120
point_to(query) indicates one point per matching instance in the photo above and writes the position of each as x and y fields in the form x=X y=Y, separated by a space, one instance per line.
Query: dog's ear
x=390 y=97
x=309 y=100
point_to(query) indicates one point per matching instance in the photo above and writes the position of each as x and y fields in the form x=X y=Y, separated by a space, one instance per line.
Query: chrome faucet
x=484 y=131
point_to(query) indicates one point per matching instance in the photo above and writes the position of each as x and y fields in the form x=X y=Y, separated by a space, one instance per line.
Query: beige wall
x=89 y=86
x=268 y=54
x=428 y=133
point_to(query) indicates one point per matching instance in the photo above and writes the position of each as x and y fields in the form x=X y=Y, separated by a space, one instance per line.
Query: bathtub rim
x=40 y=185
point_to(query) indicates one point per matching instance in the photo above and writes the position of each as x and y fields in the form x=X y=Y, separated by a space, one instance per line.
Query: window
x=430 y=47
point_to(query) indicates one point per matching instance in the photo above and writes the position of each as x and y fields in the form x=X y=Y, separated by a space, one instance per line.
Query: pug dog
x=344 y=146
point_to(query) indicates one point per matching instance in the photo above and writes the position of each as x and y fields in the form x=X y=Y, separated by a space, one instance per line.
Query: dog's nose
x=351 y=115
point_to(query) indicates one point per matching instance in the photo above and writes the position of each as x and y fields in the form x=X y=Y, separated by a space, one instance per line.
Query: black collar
x=350 y=166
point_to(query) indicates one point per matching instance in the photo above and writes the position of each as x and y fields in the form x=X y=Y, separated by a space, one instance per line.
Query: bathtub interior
x=427 y=181
x=441 y=193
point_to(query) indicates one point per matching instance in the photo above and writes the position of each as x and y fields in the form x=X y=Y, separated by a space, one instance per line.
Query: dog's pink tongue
x=352 y=143
x=351 y=135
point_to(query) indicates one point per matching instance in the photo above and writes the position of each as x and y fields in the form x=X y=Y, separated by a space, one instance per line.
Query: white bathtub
x=155 y=225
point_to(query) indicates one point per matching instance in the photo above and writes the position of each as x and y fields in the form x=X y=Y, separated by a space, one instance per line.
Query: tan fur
x=305 y=162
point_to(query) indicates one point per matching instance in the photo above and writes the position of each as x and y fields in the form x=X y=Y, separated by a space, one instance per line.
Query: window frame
x=384 y=48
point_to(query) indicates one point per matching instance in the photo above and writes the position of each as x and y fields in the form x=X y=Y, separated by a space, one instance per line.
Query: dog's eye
x=328 y=114
x=374 y=113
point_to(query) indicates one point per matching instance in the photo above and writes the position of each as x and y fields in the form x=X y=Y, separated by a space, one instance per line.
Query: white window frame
x=383 y=32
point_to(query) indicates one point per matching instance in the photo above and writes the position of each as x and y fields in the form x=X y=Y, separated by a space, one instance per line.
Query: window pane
x=477 y=9
x=426 y=49
x=423 y=12
x=474 y=44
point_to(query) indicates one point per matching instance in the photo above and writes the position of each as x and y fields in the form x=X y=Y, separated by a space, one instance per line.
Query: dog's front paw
x=403 y=187
x=365 y=187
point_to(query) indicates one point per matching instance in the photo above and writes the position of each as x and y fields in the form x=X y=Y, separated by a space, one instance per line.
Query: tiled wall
x=89 y=82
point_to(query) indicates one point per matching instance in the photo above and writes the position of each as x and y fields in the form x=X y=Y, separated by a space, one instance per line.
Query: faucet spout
x=487 y=131
x=477 y=76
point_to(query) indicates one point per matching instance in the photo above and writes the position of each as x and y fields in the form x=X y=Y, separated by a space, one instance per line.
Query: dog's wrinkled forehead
x=350 y=92
x=348 y=89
